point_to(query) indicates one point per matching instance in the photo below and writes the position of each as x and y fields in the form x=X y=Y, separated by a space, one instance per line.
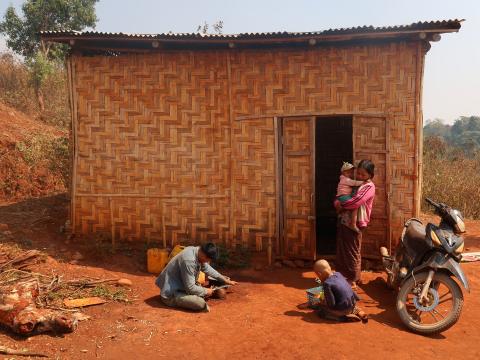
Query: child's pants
x=332 y=314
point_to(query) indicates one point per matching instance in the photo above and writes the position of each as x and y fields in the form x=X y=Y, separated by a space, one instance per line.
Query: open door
x=370 y=141
x=298 y=155
x=333 y=146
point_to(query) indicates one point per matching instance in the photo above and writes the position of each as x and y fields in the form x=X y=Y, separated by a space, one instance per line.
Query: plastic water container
x=157 y=259
x=176 y=250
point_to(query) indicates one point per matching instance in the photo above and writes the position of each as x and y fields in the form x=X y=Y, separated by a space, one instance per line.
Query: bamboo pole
x=269 y=249
x=232 y=227
x=154 y=196
x=164 y=232
x=112 y=223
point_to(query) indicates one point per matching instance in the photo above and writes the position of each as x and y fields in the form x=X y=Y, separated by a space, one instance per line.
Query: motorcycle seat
x=416 y=231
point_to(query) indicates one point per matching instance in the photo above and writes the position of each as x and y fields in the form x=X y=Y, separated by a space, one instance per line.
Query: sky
x=452 y=66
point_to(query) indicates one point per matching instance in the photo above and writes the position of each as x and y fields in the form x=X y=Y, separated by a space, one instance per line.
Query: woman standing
x=348 y=257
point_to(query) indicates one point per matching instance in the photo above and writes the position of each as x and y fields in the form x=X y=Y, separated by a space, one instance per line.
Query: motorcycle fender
x=440 y=261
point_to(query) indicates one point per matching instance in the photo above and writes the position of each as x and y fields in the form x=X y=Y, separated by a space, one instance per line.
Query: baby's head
x=347 y=170
x=322 y=269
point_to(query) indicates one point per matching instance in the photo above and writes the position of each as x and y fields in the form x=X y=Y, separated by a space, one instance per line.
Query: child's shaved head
x=322 y=265
x=322 y=269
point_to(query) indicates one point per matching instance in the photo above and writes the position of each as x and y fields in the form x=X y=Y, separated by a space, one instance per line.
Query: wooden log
x=8 y=351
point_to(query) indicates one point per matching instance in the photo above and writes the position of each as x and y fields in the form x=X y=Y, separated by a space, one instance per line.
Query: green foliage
x=463 y=134
x=23 y=35
x=17 y=91
x=22 y=32
x=40 y=69
x=109 y=293
x=52 y=151
x=234 y=259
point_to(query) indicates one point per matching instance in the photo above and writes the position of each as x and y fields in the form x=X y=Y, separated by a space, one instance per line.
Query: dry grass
x=16 y=91
x=451 y=177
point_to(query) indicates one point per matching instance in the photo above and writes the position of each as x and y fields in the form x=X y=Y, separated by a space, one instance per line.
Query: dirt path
x=258 y=321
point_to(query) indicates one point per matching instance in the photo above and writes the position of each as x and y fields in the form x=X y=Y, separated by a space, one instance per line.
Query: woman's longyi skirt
x=348 y=258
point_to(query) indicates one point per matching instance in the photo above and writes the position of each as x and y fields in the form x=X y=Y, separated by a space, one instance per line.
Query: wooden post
x=232 y=228
x=269 y=249
x=112 y=223
x=164 y=232
x=74 y=157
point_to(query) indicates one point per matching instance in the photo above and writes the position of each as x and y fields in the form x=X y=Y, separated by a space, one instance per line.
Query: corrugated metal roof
x=441 y=26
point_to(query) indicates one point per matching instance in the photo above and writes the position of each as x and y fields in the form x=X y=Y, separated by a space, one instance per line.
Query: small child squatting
x=345 y=191
x=340 y=300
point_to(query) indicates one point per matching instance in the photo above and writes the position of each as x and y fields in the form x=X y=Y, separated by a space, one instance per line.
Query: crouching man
x=178 y=281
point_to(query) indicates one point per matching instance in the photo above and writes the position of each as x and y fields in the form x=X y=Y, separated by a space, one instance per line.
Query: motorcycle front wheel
x=445 y=302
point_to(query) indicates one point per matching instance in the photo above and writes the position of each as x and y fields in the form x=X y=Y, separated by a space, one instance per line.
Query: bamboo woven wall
x=189 y=137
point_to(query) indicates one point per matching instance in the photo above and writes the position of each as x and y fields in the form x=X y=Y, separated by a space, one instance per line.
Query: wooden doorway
x=311 y=151
x=333 y=146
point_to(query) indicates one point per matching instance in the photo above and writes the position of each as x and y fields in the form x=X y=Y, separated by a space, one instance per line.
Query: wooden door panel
x=298 y=187
x=298 y=222
x=370 y=139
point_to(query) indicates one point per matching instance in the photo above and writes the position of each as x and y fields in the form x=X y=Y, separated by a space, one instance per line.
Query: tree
x=436 y=128
x=22 y=32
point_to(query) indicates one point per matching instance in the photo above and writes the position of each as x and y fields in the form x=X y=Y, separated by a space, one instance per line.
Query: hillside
x=31 y=156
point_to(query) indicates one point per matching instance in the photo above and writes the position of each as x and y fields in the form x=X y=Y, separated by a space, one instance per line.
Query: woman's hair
x=368 y=166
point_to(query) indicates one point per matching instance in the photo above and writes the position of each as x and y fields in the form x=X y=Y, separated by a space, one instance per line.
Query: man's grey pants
x=184 y=301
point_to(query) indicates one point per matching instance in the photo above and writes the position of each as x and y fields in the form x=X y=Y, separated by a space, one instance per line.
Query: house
x=239 y=139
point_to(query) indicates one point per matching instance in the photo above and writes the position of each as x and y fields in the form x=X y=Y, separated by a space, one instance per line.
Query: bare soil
x=258 y=321
x=18 y=178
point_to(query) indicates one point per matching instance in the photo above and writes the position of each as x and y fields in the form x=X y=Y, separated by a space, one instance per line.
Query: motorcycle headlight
x=459 y=222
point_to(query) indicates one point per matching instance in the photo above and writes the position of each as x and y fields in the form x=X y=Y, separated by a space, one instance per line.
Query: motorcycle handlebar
x=431 y=202
x=439 y=208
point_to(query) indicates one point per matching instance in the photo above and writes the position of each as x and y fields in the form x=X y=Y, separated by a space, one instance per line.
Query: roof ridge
x=362 y=28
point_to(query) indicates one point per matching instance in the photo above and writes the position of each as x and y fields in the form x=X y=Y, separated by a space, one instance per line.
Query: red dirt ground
x=258 y=321
x=17 y=178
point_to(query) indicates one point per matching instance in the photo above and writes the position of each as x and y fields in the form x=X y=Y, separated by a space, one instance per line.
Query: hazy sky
x=452 y=69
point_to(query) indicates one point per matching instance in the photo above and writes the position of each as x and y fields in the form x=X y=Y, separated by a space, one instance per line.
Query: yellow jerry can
x=176 y=250
x=157 y=259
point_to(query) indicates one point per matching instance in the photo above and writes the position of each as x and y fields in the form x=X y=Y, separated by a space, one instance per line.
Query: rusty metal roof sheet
x=118 y=41
x=441 y=26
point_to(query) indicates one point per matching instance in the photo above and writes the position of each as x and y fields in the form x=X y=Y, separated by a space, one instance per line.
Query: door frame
x=280 y=213
x=280 y=177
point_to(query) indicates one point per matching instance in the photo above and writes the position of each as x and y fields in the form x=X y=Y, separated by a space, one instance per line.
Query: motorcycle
x=429 y=301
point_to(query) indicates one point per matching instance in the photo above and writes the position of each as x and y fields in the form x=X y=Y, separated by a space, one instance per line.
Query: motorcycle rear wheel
x=411 y=316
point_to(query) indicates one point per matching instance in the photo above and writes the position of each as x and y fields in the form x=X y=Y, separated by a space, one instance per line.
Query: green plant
x=53 y=152
x=235 y=259
x=109 y=293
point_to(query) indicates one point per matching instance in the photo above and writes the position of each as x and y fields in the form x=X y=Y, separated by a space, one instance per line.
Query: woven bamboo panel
x=157 y=135
x=153 y=132
x=370 y=142
x=298 y=150
x=346 y=80
x=253 y=182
